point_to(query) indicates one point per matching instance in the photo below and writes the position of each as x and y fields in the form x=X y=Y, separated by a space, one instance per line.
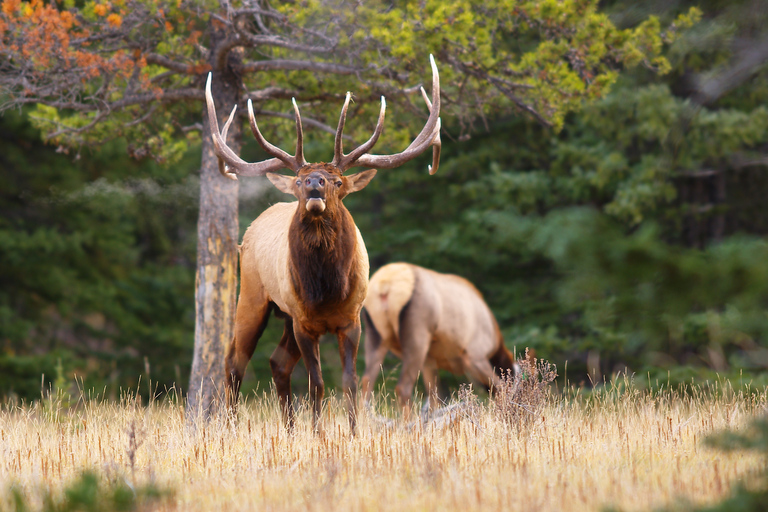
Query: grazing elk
x=306 y=260
x=430 y=320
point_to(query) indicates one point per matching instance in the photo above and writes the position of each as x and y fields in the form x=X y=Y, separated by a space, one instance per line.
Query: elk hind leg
x=415 y=339
x=251 y=319
x=282 y=362
x=349 y=340
x=375 y=352
x=309 y=345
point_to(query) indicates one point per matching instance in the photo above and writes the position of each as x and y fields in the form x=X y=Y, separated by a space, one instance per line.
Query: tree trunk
x=216 y=278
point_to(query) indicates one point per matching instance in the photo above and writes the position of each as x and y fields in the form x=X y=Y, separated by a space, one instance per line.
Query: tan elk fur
x=431 y=321
x=265 y=263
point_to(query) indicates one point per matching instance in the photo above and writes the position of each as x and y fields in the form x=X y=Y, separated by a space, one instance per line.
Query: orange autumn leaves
x=10 y=6
x=114 y=19
x=41 y=34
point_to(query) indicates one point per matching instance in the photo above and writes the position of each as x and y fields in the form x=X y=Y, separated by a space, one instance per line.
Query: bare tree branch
x=296 y=65
x=305 y=120
x=138 y=99
x=747 y=64
x=161 y=60
x=194 y=127
x=501 y=85
x=72 y=130
x=281 y=42
x=258 y=12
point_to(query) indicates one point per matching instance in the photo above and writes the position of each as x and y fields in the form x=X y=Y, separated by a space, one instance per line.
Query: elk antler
x=230 y=165
x=429 y=136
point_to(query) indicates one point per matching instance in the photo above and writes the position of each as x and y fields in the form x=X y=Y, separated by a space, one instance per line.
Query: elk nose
x=315 y=182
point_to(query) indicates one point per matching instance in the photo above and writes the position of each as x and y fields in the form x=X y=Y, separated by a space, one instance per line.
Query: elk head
x=319 y=185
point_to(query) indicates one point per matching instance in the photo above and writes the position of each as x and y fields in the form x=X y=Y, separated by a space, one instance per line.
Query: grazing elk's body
x=431 y=321
x=306 y=260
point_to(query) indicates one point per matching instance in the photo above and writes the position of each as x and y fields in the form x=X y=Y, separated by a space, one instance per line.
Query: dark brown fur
x=322 y=257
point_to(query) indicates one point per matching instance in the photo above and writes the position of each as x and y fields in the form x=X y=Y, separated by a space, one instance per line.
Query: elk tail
x=372 y=335
x=389 y=292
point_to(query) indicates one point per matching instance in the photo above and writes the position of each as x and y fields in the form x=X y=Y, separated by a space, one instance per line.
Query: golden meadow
x=616 y=446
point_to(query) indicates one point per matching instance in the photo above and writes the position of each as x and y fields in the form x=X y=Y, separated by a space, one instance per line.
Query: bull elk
x=306 y=260
x=431 y=321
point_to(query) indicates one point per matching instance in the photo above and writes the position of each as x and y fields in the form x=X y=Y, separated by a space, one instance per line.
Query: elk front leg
x=349 y=339
x=309 y=345
x=282 y=362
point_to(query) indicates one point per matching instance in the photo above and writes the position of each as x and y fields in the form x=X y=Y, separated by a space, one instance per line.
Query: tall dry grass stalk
x=619 y=447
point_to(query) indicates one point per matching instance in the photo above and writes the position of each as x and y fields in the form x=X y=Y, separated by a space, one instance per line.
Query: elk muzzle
x=315 y=190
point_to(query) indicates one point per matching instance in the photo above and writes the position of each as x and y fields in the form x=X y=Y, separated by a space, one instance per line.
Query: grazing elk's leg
x=282 y=362
x=250 y=321
x=375 y=352
x=415 y=339
x=416 y=322
x=429 y=377
x=309 y=345
x=349 y=339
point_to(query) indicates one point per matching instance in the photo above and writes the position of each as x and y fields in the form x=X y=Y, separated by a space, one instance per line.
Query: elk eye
x=307 y=181
x=298 y=183
x=338 y=183
x=321 y=181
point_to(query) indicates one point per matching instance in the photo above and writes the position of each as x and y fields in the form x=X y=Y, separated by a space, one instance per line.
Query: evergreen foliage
x=95 y=256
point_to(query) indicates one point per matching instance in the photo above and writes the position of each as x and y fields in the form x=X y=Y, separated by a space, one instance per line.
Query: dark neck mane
x=322 y=254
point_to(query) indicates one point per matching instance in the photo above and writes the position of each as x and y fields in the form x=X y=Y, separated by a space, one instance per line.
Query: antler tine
x=426 y=98
x=338 y=150
x=437 y=146
x=356 y=153
x=437 y=143
x=222 y=166
x=299 y=158
x=429 y=136
x=290 y=162
x=229 y=163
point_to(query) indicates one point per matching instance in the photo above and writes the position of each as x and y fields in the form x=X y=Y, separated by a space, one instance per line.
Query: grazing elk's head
x=320 y=187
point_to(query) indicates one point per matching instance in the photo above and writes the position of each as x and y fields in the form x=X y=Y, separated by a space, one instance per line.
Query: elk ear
x=359 y=180
x=282 y=182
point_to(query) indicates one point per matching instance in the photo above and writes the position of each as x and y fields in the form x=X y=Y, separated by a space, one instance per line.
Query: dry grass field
x=616 y=448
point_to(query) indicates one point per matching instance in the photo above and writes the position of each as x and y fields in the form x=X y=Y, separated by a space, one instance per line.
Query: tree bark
x=217 y=237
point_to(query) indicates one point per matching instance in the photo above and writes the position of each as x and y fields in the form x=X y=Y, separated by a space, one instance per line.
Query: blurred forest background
x=632 y=240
